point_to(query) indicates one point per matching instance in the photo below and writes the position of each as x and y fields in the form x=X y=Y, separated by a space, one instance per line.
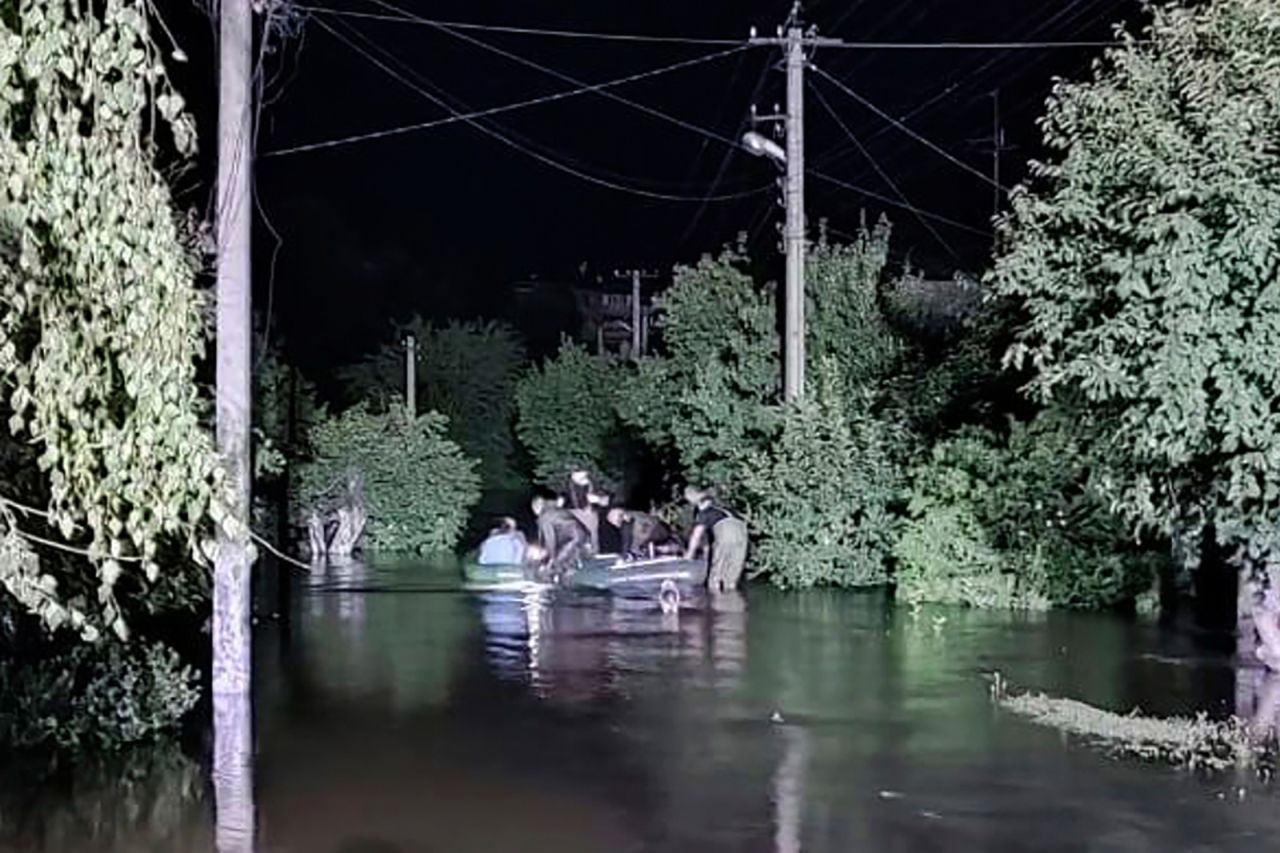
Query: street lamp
x=762 y=146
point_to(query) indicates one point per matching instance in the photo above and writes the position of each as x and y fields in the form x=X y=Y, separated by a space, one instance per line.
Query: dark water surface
x=403 y=714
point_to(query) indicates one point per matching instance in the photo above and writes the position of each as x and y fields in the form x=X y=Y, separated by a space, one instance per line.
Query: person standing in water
x=582 y=499
x=724 y=534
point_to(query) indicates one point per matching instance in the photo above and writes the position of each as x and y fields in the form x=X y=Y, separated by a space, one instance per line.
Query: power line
x=408 y=18
x=543 y=158
x=515 y=57
x=530 y=102
x=403 y=17
x=936 y=217
x=881 y=172
x=906 y=129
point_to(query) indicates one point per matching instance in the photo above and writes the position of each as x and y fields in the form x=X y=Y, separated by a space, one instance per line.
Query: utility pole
x=232 y=587
x=994 y=145
x=997 y=144
x=636 y=342
x=411 y=376
x=794 y=40
x=794 y=232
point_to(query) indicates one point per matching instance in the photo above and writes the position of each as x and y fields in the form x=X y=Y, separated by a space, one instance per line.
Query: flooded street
x=401 y=713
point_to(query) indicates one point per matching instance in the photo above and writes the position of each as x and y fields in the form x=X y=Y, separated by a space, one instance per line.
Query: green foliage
x=707 y=402
x=1017 y=522
x=567 y=415
x=1143 y=254
x=100 y=321
x=419 y=487
x=845 y=319
x=819 y=496
x=285 y=410
x=466 y=371
x=94 y=697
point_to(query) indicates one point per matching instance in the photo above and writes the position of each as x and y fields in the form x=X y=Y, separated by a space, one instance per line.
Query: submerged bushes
x=94 y=697
x=1016 y=521
x=819 y=498
x=419 y=487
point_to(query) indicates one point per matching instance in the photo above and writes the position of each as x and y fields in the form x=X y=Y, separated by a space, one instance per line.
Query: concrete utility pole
x=411 y=376
x=231 y=636
x=793 y=39
x=636 y=343
x=232 y=588
x=794 y=232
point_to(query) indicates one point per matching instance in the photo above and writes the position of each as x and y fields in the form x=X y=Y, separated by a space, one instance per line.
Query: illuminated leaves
x=1146 y=253
x=100 y=320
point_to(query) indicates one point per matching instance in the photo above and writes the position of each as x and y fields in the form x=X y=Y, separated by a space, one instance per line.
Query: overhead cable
x=881 y=172
x=401 y=16
x=503 y=108
x=529 y=63
x=925 y=141
x=543 y=158
x=936 y=217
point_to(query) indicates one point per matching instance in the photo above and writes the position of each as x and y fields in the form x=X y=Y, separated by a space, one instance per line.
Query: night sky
x=442 y=221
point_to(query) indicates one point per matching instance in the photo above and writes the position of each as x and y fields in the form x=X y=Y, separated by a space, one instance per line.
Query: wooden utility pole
x=232 y=588
x=411 y=376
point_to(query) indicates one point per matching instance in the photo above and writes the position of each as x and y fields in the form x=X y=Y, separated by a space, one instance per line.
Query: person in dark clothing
x=723 y=533
x=643 y=535
x=562 y=537
x=582 y=499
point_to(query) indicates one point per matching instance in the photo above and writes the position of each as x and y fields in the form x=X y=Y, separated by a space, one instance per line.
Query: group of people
x=569 y=532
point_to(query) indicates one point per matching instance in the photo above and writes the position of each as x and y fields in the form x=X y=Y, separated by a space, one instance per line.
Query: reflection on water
x=401 y=712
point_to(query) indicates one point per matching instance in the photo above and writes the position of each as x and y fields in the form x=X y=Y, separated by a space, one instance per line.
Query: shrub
x=567 y=417
x=1017 y=521
x=419 y=487
x=94 y=697
x=819 y=497
x=707 y=404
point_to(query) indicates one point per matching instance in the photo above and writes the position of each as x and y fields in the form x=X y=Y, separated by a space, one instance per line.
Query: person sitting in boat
x=504 y=546
x=582 y=499
x=717 y=529
x=562 y=537
x=643 y=535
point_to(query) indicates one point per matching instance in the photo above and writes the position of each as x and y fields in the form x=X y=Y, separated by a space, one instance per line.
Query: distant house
x=612 y=321
x=934 y=306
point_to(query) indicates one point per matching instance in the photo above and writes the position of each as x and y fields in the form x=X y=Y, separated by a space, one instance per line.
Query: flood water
x=400 y=713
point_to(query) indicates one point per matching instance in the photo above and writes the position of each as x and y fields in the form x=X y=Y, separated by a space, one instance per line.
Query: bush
x=708 y=403
x=94 y=697
x=567 y=417
x=819 y=497
x=419 y=487
x=1017 y=522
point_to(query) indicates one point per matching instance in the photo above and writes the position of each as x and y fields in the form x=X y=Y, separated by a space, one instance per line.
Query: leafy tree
x=819 y=496
x=419 y=487
x=100 y=321
x=567 y=416
x=1143 y=255
x=707 y=401
x=466 y=371
x=846 y=321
